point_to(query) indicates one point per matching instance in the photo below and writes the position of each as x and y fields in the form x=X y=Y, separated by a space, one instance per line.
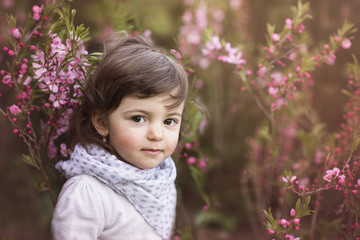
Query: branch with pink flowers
x=46 y=70
x=280 y=82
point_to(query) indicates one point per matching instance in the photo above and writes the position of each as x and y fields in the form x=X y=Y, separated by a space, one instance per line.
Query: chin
x=149 y=165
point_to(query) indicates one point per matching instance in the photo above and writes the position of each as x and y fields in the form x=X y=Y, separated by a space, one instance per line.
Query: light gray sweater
x=87 y=209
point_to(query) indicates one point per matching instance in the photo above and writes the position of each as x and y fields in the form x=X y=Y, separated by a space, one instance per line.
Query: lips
x=152 y=151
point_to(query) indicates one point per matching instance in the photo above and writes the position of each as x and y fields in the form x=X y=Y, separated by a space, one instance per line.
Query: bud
x=292 y=212
x=16 y=33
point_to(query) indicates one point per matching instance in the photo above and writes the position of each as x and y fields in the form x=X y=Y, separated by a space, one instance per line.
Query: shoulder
x=81 y=185
x=86 y=190
x=81 y=190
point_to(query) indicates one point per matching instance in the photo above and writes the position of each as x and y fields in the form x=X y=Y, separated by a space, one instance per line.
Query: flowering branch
x=48 y=67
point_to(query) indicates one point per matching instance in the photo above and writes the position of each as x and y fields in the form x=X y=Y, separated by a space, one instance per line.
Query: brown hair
x=131 y=66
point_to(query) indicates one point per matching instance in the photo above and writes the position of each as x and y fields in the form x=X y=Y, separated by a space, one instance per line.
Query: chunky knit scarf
x=151 y=191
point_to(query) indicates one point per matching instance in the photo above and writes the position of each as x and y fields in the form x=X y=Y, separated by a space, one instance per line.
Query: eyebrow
x=175 y=114
x=148 y=113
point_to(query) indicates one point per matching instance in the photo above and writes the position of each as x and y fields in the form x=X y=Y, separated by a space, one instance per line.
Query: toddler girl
x=120 y=175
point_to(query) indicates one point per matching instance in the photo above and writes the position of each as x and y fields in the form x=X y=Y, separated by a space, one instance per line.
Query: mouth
x=151 y=151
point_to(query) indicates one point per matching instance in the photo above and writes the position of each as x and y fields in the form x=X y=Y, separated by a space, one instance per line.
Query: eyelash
x=138 y=119
x=173 y=121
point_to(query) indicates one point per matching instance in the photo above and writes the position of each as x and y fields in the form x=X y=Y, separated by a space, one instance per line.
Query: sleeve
x=79 y=212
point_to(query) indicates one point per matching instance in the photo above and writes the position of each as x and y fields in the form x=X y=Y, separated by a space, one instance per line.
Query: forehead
x=164 y=100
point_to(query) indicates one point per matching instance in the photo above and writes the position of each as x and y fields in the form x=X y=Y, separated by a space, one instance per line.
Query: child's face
x=143 y=131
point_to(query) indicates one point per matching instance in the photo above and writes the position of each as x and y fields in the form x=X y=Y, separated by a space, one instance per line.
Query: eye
x=138 y=119
x=170 y=122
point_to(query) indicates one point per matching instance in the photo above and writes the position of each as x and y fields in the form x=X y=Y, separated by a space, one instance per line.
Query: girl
x=120 y=175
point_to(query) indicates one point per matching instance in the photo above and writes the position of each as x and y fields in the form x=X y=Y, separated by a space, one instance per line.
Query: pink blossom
x=284 y=223
x=203 y=125
x=187 y=146
x=52 y=151
x=65 y=152
x=202 y=165
x=279 y=102
x=212 y=45
x=346 y=43
x=235 y=4
x=147 y=35
x=270 y=231
x=16 y=33
x=187 y=17
x=292 y=56
x=296 y=221
x=292 y=212
x=336 y=171
x=199 y=84
x=275 y=37
x=205 y=208
x=36 y=16
x=290 y=180
x=230 y=49
x=232 y=59
x=358 y=182
x=278 y=78
x=27 y=81
x=58 y=100
x=273 y=91
x=330 y=60
x=290 y=237
x=341 y=179
x=176 y=54
x=288 y=23
x=330 y=174
x=191 y=160
x=15 y=110
x=7 y=3
x=192 y=36
x=37 y=9
x=201 y=19
x=6 y=79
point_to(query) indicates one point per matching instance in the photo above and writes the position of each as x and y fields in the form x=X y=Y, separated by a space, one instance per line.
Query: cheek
x=124 y=140
x=172 y=142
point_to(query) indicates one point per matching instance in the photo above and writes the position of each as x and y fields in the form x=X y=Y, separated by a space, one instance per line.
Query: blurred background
x=26 y=214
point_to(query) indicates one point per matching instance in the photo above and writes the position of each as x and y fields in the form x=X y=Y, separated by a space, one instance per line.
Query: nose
x=155 y=132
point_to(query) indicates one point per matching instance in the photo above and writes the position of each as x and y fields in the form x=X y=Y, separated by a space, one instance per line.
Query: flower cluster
x=191 y=148
x=287 y=229
x=294 y=138
x=46 y=73
x=223 y=52
x=60 y=73
x=197 y=17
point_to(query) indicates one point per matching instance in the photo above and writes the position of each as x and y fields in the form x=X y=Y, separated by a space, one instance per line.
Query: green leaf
x=271 y=222
x=40 y=187
x=216 y=218
x=29 y=159
x=199 y=178
x=185 y=234
x=356 y=141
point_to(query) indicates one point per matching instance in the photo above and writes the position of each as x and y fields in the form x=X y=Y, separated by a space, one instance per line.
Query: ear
x=99 y=120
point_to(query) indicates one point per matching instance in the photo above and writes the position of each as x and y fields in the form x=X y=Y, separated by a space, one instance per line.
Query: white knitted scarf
x=151 y=191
